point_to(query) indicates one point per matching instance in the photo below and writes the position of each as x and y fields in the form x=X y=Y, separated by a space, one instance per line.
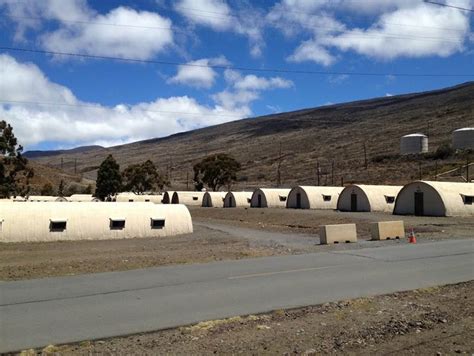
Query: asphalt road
x=68 y=309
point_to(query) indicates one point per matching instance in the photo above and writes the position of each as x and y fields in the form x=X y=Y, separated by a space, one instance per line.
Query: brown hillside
x=327 y=134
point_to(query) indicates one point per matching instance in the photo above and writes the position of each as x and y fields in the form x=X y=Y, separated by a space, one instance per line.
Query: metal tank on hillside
x=463 y=138
x=413 y=144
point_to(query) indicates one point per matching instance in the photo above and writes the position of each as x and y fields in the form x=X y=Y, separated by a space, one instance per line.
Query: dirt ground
x=220 y=234
x=309 y=221
x=431 y=321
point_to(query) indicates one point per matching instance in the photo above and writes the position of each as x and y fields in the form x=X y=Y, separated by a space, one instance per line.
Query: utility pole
x=419 y=166
x=342 y=181
x=332 y=174
x=279 y=168
x=318 y=172
x=366 y=164
x=170 y=169
x=467 y=169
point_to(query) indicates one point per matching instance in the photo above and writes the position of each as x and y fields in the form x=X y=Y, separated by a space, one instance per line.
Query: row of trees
x=213 y=172
x=137 y=178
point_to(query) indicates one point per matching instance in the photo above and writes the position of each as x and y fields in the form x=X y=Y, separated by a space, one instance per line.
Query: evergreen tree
x=15 y=174
x=109 y=179
x=47 y=189
x=61 y=188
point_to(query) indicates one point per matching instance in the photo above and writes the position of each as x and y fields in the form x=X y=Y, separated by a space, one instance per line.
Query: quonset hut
x=45 y=198
x=313 y=197
x=187 y=198
x=436 y=199
x=269 y=198
x=82 y=198
x=91 y=221
x=213 y=199
x=368 y=198
x=131 y=197
x=237 y=199
x=167 y=196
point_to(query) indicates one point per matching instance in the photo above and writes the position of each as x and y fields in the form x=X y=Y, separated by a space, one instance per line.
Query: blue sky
x=57 y=101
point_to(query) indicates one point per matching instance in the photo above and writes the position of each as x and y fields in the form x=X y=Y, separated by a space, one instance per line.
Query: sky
x=150 y=68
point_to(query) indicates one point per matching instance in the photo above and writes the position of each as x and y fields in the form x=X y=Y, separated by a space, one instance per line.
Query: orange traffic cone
x=412 y=237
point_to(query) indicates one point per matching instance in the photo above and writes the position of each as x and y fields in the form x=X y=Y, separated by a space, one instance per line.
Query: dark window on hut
x=282 y=198
x=117 y=224
x=468 y=199
x=195 y=198
x=326 y=197
x=57 y=225
x=157 y=223
x=390 y=200
x=147 y=200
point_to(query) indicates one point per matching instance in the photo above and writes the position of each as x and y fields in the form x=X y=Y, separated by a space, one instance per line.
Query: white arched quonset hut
x=436 y=199
x=358 y=197
x=316 y=197
x=269 y=198
x=91 y=221
x=78 y=198
x=45 y=198
x=237 y=199
x=167 y=196
x=213 y=199
x=188 y=198
x=139 y=198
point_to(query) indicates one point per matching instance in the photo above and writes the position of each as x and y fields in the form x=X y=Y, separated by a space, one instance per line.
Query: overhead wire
x=232 y=67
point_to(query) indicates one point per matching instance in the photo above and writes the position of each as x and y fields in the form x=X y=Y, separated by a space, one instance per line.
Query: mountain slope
x=331 y=135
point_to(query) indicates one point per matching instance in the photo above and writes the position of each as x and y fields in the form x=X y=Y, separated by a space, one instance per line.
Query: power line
x=450 y=6
x=240 y=68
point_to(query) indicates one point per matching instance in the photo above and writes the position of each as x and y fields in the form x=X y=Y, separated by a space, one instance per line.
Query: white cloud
x=245 y=89
x=71 y=121
x=219 y=16
x=404 y=28
x=420 y=35
x=252 y=82
x=197 y=73
x=82 y=30
x=312 y=51
x=213 y=13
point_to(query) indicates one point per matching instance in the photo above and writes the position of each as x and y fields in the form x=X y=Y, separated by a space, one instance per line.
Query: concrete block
x=338 y=233
x=386 y=230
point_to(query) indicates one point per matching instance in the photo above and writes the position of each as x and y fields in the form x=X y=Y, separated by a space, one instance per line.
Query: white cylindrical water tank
x=413 y=144
x=463 y=138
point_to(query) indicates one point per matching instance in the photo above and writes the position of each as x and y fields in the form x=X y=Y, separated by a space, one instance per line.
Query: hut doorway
x=353 y=202
x=419 y=204
x=298 y=201
x=259 y=200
